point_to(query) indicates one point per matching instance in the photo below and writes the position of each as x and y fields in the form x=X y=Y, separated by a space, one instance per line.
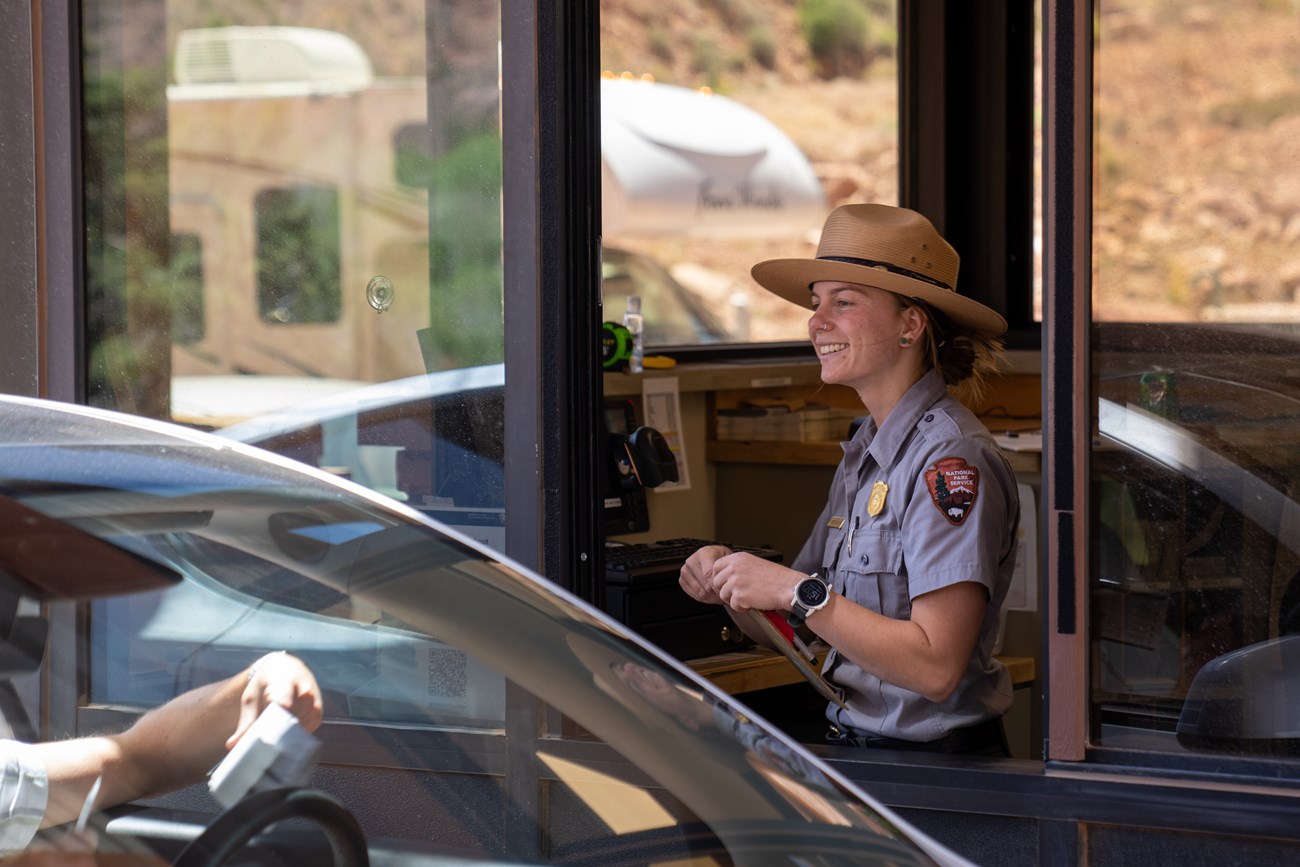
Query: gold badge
x=876 y=504
x=835 y=523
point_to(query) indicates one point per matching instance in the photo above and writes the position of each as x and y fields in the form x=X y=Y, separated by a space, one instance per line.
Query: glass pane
x=294 y=239
x=286 y=205
x=1196 y=561
x=727 y=136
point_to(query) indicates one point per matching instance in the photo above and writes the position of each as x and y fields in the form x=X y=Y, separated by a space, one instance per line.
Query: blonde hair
x=966 y=361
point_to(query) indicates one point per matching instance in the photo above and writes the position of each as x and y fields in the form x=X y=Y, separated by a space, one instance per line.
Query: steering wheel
x=233 y=829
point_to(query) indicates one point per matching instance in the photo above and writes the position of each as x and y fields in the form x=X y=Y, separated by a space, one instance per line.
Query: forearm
x=169 y=747
x=177 y=744
x=899 y=652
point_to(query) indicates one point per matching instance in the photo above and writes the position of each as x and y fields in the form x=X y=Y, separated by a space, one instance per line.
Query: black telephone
x=636 y=457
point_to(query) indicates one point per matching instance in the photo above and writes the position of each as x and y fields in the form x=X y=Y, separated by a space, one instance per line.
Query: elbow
x=941 y=686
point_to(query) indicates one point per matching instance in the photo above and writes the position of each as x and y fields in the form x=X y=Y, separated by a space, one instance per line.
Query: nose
x=817 y=322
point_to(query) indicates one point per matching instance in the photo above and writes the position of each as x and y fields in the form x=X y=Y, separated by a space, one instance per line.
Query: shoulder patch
x=953 y=486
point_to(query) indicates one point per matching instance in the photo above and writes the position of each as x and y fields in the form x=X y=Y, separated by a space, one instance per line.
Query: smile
x=828 y=348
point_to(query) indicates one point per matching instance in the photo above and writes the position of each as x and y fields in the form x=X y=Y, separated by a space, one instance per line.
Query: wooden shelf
x=801 y=368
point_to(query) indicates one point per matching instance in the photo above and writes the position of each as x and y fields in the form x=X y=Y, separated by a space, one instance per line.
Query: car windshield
x=426 y=646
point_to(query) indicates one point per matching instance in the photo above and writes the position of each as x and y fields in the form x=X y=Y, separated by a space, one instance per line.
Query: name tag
x=836 y=522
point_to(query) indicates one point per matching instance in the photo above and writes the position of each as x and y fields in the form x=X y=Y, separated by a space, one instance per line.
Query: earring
x=904 y=341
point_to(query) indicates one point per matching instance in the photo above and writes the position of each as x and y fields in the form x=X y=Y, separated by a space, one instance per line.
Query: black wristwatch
x=811 y=594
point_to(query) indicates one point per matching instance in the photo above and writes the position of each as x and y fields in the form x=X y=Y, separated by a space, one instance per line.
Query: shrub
x=762 y=46
x=836 y=31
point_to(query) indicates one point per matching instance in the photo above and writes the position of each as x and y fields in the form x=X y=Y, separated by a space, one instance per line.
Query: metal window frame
x=1067 y=213
x=966 y=118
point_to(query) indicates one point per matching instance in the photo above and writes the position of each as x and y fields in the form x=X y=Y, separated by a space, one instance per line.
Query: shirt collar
x=884 y=443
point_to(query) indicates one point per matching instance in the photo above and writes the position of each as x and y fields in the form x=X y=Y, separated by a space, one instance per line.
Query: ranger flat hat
x=890 y=248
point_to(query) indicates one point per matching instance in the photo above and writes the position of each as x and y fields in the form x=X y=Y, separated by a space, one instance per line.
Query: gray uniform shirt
x=925 y=501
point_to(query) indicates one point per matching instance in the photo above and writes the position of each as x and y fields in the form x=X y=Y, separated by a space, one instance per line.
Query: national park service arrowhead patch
x=953 y=485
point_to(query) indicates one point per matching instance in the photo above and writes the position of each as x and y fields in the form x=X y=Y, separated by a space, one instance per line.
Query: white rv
x=301 y=221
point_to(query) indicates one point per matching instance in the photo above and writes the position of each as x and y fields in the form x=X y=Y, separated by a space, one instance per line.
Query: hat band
x=885 y=266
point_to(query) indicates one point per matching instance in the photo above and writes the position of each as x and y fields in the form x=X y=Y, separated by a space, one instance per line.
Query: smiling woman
x=913 y=554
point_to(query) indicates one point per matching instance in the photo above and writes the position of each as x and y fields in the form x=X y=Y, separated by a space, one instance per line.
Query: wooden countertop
x=800 y=368
x=759 y=668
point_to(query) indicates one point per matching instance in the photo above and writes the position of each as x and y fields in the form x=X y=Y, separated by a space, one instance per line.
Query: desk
x=748 y=670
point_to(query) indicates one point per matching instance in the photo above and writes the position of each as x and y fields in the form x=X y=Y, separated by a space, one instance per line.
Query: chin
x=830 y=377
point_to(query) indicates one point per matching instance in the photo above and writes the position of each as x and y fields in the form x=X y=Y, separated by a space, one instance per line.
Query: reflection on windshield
x=412 y=635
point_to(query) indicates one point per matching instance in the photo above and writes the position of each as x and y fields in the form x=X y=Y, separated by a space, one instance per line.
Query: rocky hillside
x=1198 y=162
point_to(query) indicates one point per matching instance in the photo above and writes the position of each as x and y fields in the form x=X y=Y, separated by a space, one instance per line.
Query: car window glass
x=414 y=637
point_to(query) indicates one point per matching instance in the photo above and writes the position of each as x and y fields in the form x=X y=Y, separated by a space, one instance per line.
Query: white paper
x=1023 y=595
x=1020 y=441
x=662 y=407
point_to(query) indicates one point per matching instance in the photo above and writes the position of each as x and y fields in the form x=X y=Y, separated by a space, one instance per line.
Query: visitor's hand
x=283 y=679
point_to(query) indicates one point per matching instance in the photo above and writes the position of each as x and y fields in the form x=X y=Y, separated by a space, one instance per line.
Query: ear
x=914 y=323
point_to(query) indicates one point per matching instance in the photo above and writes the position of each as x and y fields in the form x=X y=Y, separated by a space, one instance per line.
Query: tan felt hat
x=890 y=248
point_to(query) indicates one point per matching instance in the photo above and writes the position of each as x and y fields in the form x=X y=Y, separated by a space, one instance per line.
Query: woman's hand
x=744 y=581
x=697 y=574
x=283 y=679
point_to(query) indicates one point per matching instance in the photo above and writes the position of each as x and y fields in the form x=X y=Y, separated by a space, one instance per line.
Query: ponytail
x=965 y=361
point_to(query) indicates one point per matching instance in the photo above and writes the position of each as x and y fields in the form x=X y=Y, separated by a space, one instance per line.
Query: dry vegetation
x=1198 y=145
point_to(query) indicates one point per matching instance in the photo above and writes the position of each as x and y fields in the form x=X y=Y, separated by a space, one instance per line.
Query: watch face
x=812 y=593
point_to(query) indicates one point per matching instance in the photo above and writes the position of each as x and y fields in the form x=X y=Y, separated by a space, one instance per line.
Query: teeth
x=828 y=348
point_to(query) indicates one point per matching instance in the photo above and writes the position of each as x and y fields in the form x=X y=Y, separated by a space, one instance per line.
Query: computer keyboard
x=669 y=552
x=641 y=590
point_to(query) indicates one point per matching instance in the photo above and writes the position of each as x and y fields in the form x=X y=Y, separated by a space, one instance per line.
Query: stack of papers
x=788 y=421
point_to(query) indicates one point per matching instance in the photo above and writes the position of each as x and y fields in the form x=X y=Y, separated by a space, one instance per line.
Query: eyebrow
x=835 y=291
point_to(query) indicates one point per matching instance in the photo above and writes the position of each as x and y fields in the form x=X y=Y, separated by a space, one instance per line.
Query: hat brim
x=792 y=280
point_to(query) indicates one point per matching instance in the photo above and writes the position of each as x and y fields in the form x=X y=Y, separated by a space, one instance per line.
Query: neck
x=882 y=395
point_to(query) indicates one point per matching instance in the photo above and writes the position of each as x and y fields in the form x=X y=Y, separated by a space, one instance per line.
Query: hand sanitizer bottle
x=633 y=323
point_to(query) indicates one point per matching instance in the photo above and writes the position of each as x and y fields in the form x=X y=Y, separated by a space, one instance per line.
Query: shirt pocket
x=871 y=573
x=831 y=554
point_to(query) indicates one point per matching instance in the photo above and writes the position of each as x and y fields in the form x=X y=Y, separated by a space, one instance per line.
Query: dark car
x=475 y=713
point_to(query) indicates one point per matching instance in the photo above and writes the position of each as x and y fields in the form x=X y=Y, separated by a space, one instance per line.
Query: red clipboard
x=781 y=635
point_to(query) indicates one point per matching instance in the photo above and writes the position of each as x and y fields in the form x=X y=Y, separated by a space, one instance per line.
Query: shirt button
x=929 y=416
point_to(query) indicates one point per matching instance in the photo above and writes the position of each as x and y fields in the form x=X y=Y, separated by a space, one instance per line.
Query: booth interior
x=740 y=452
x=757 y=443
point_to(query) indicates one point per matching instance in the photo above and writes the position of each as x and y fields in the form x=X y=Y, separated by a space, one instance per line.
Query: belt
x=982 y=739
